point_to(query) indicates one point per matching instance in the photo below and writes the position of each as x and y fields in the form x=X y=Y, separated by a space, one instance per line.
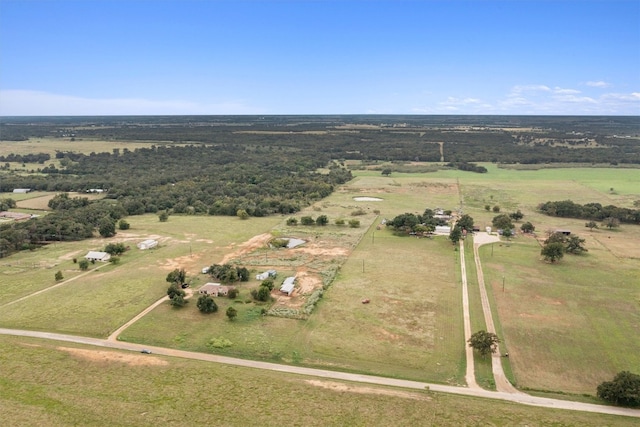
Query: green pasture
x=566 y=326
x=98 y=303
x=46 y=383
x=569 y=326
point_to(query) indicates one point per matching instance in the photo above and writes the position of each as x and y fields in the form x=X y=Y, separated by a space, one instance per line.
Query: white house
x=147 y=244
x=288 y=285
x=97 y=256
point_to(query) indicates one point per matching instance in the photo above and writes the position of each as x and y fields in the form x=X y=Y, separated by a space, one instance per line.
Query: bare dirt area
x=346 y=388
x=102 y=356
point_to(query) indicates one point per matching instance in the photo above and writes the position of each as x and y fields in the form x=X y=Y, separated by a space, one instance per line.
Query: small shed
x=288 y=285
x=97 y=256
x=266 y=275
x=147 y=244
x=565 y=232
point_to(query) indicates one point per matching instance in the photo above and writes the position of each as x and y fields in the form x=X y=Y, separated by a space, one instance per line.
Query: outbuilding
x=147 y=244
x=267 y=274
x=97 y=256
x=288 y=285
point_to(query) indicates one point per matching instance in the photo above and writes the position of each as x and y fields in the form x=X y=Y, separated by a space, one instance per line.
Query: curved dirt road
x=321 y=373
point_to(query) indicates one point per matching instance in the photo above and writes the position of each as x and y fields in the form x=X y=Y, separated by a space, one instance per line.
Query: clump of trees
x=407 y=223
x=263 y=293
x=557 y=244
x=623 y=390
x=228 y=273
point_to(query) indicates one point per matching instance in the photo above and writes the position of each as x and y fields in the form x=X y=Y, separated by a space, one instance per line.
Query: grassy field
x=411 y=329
x=45 y=383
x=567 y=327
x=52 y=145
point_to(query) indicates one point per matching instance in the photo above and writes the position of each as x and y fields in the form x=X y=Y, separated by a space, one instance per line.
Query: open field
x=566 y=326
x=52 y=145
x=76 y=385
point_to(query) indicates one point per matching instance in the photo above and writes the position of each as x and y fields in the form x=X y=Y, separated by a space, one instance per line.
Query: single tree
x=354 y=223
x=107 y=227
x=163 y=216
x=455 y=235
x=484 y=342
x=322 y=220
x=552 y=251
x=83 y=264
x=465 y=222
x=242 y=214
x=575 y=245
x=174 y=290
x=206 y=304
x=496 y=208
x=591 y=225
x=232 y=313
x=487 y=208
x=292 y=221
x=233 y=293
x=386 y=172
x=611 y=222
x=527 y=227
x=177 y=276
x=307 y=220
x=115 y=248
x=502 y=222
x=58 y=276
x=123 y=225
x=516 y=216
x=623 y=390
x=178 y=300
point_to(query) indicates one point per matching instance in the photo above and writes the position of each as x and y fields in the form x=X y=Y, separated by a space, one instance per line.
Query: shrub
x=354 y=223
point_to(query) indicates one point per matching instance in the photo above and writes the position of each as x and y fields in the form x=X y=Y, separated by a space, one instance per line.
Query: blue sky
x=123 y=57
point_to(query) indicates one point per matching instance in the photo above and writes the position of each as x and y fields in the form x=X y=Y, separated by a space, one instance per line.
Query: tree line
x=590 y=211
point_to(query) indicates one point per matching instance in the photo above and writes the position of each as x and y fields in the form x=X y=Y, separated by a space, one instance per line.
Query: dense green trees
x=178 y=276
x=591 y=211
x=623 y=390
x=227 y=273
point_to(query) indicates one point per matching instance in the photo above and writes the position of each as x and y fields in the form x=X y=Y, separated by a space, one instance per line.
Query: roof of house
x=209 y=285
x=97 y=255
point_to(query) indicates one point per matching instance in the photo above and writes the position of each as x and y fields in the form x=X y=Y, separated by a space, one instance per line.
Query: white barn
x=266 y=275
x=288 y=285
x=147 y=244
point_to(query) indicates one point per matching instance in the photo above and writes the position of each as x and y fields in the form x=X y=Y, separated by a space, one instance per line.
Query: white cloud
x=517 y=90
x=560 y=90
x=35 y=103
x=599 y=83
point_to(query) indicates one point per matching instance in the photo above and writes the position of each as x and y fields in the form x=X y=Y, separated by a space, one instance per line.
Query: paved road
x=321 y=373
